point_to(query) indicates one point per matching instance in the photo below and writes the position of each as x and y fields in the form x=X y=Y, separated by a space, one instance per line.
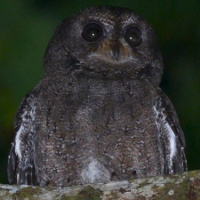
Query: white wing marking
x=18 y=137
x=172 y=140
x=27 y=119
x=160 y=122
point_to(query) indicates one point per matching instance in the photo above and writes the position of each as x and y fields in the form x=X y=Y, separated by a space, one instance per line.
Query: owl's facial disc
x=111 y=48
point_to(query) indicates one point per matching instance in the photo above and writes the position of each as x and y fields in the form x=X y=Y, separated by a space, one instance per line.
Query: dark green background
x=27 y=25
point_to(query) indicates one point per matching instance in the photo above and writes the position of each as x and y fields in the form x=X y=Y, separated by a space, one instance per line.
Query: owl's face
x=111 y=40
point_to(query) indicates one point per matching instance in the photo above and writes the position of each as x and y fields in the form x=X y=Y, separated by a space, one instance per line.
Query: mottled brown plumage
x=98 y=114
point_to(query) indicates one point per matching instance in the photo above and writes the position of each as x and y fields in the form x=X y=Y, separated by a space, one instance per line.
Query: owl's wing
x=21 y=169
x=172 y=137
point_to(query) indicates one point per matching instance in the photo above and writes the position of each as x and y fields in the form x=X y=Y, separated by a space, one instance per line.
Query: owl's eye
x=92 y=32
x=133 y=36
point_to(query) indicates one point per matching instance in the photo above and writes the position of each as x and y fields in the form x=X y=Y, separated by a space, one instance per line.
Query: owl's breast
x=98 y=132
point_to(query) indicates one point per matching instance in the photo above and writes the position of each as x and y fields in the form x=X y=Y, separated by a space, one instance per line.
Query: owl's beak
x=116 y=52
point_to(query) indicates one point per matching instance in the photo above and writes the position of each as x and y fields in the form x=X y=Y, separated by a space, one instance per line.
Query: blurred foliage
x=27 y=26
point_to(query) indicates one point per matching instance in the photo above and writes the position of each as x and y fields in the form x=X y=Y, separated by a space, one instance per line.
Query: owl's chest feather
x=97 y=109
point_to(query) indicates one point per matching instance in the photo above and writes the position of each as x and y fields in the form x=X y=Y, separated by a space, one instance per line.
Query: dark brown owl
x=98 y=114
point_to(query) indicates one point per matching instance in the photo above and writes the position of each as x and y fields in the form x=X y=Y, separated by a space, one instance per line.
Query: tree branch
x=177 y=187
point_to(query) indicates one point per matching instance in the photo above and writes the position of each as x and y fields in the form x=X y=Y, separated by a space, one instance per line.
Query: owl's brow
x=108 y=20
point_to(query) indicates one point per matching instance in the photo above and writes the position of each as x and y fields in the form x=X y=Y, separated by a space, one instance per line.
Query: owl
x=98 y=115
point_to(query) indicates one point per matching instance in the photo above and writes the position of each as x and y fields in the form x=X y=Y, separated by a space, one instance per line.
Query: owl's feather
x=21 y=169
x=171 y=132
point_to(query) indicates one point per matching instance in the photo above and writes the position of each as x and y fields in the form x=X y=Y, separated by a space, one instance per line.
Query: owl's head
x=108 y=42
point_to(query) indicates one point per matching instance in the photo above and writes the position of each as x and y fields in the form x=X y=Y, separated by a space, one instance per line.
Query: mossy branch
x=177 y=187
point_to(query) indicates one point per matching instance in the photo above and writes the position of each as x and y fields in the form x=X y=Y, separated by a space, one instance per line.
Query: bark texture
x=177 y=187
